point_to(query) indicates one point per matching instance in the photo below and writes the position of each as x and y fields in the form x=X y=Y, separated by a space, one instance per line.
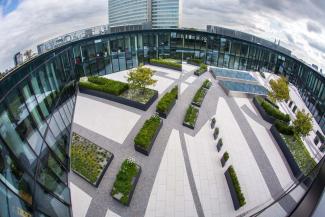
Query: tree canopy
x=140 y=78
x=280 y=89
x=303 y=123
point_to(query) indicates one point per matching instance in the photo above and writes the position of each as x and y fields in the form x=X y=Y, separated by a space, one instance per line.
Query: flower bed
x=296 y=154
x=237 y=196
x=126 y=181
x=199 y=97
x=203 y=68
x=89 y=160
x=166 y=103
x=118 y=92
x=144 y=140
x=167 y=63
x=268 y=112
x=190 y=117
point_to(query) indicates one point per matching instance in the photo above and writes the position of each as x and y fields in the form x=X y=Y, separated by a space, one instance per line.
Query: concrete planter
x=290 y=104
x=121 y=100
x=188 y=125
x=165 y=114
x=166 y=66
x=134 y=184
x=219 y=145
x=96 y=184
x=223 y=162
x=289 y=157
x=213 y=123
x=197 y=72
x=232 y=190
x=294 y=109
x=147 y=151
x=264 y=115
x=198 y=104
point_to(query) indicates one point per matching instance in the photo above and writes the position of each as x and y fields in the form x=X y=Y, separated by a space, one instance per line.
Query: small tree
x=280 y=89
x=140 y=78
x=303 y=123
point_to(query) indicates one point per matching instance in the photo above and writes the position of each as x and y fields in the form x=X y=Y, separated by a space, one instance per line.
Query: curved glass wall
x=38 y=99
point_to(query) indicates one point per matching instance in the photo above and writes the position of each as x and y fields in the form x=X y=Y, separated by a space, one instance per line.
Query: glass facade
x=35 y=122
x=37 y=103
x=165 y=14
x=128 y=12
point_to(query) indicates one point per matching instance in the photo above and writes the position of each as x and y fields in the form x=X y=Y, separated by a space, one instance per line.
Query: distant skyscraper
x=18 y=58
x=158 y=13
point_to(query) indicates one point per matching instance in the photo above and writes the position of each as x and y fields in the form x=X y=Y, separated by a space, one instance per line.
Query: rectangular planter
x=197 y=73
x=198 y=104
x=289 y=157
x=223 y=162
x=264 y=115
x=232 y=190
x=119 y=99
x=165 y=66
x=188 y=125
x=219 y=145
x=134 y=184
x=101 y=175
x=165 y=114
x=147 y=151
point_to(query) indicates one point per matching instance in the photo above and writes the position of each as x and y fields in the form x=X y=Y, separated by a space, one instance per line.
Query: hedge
x=236 y=184
x=203 y=68
x=191 y=115
x=194 y=61
x=276 y=113
x=104 y=85
x=123 y=181
x=166 y=62
x=166 y=101
x=175 y=91
x=199 y=96
x=147 y=132
x=207 y=84
x=283 y=127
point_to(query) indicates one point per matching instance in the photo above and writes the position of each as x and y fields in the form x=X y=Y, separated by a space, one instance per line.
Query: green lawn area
x=88 y=159
x=300 y=153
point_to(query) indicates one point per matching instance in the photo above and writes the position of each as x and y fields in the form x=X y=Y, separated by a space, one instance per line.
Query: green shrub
x=236 y=184
x=166 y=62
x=166 y=101
x=104 y=85
x=175 y=90
x=276 y=113
x=300 y=153
x=123 y=181
x=191 y=115
x=207 y=84
x=195 y=61
x=226 y=156
x=283 y=127
x=203 y=68
x=199 y=96
x=147 y=132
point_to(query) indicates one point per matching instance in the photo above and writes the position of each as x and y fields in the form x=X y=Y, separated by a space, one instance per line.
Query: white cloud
x=35 y=21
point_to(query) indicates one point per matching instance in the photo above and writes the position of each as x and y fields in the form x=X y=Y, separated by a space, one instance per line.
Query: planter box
x=101 y=175
x=294 y=109
x=147 y=151
x=197 y=73
x=232 y=190
x=290 y=104
x=198 y=104
x=119 y=99
x=134 y=184
x=165 y=66
x=264 y=115
x=223 y=162
x=289 y=157
x=213 y=123
x=188 y=125
x=219 y=145
x=165 y=114
x=316 y=140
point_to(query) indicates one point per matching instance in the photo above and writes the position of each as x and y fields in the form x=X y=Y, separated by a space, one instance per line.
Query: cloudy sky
x=299 y=24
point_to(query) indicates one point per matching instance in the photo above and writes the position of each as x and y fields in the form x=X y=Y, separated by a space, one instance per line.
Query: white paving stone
x=209 y=175
x=268 y=144
x=188 y=68
x=104 y=119
x=183 y=87
x=171 y=194
x=191 y=79
x=110 y=213
x=80 y=201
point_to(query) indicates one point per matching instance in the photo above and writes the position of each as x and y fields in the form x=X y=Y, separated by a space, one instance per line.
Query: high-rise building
x=18 y=58
x=157 y=13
